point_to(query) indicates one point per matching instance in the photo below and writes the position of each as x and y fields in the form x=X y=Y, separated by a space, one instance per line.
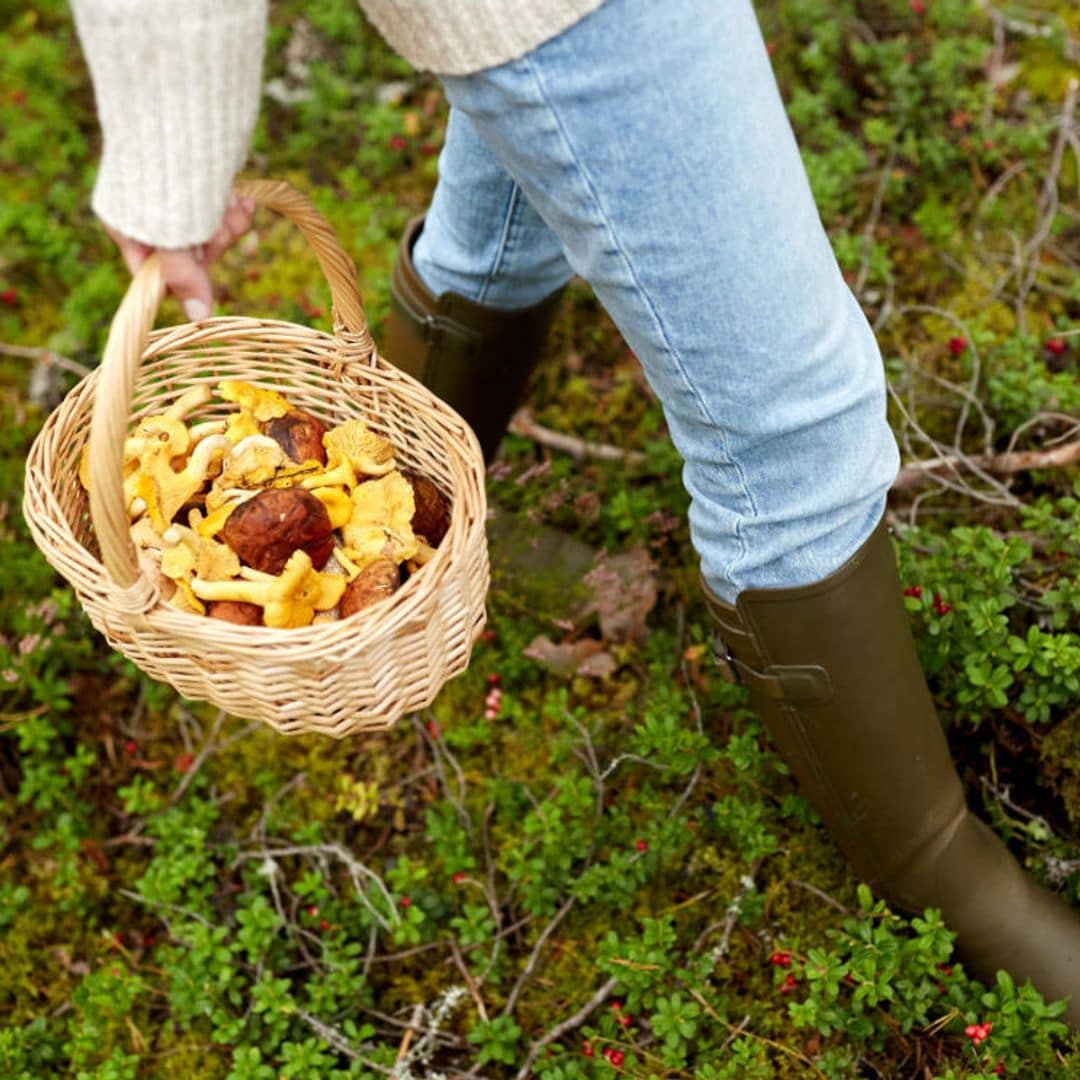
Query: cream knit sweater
x=178 y=82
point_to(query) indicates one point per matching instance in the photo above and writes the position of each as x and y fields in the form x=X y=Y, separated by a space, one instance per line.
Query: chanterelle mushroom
x=250 y=464
x=368 y=453
x=288 y=600
x=162 y=488
x=262 y=404
x=380 y=525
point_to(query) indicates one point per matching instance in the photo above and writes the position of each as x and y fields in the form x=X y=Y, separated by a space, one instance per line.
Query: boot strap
x=792 y=684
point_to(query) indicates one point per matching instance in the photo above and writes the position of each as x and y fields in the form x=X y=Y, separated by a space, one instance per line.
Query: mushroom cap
x=368 y=453
x=381 y=521
x=262 y=404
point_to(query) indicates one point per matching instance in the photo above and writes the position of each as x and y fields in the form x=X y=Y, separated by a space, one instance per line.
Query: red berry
x=131 y=746
x=494 y=678
x=616 y=1058
x=626 y=1019
x=313 y=910
x=398 y=142
x=780 y=958
x=957 y=345
x=488 y=637
x=183 y=762
x=642 y=845
x=616 y=1006
x=404 y=901
x=913 y=590
x=324 y=925
x=433 y=729
x=918 y=6
x=459 y=877
x=427 y=149
x=788 y=984
x=586 y=1048
x=10 y=297
x=1055 y=345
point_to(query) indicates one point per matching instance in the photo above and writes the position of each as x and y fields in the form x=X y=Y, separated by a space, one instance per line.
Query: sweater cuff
x=177 y=84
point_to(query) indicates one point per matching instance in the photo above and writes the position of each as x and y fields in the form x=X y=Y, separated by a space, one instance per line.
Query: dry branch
x=1006 y=464
x=578 y=449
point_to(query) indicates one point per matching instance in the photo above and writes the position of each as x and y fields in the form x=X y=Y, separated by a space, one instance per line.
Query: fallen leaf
x=623 y=592
x=587 y=657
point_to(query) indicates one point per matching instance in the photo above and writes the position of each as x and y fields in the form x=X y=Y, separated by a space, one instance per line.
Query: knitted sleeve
x=177 y=85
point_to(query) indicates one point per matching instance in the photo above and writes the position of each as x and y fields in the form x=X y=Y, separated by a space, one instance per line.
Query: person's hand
x=185 y=270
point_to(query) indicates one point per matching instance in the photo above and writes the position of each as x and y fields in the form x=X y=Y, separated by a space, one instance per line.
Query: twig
x=45 y=356
x=410 y=1032
x=534 y=956
x=867 y=241
x=569 y=1024
x=207 y=749
x=710 y=1011
x=1048 y=200
x=578 y=449
x=165 y=904
x=470 y=982
x=1004 y=464
x=438 y=752
x=822 y=895
x=332 y=1037
x=357 y=872
x=747 y=885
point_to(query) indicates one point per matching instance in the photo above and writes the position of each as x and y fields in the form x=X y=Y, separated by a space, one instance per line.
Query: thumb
x=188 y=281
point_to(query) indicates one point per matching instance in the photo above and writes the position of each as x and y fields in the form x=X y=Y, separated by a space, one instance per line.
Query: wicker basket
x=357 y=674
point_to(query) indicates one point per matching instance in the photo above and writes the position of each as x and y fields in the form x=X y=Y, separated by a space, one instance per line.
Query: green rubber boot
x=477 y=359
x=832 y=672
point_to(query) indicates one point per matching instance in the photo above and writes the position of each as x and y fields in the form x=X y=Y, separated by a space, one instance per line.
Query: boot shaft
x=478 y=359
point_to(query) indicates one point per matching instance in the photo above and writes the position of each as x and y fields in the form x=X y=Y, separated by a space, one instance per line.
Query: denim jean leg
x=482 y=239
x=652 y=140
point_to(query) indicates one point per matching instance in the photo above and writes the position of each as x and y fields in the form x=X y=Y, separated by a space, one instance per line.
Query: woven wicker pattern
x=338 y=678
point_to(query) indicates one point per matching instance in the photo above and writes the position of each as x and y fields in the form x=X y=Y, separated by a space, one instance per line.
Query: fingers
x=185 y=268
x=133 y=251
x=186 y=278
x=237 y=220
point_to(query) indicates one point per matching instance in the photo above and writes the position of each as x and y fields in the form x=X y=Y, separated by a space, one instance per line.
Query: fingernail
x=196 y=310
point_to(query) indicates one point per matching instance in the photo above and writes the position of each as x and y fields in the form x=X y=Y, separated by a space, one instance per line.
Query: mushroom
x=432 y=517
x=368 y=453
x=251 y=463
x=162 y=489
x=299 y=434
x=374 y=583
x=337 y=502
x=266 y=530
x=189 y=555
x=188 y=401
x=256 y=407
x=380 y=525
x=235 y=611
x=262 y=404
x=288 y=600
x=339 y=473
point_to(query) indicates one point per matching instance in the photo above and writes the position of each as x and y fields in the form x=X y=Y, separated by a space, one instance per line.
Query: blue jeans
x=647 y=149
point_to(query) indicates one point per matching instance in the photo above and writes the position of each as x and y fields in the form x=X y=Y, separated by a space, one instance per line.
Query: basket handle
x=127 y=339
